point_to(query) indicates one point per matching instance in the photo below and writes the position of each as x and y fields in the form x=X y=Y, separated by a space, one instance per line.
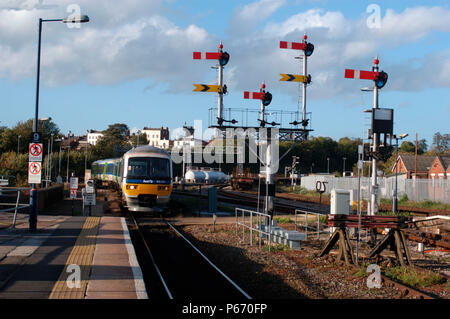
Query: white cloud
x=129 y=41
x=246 y=17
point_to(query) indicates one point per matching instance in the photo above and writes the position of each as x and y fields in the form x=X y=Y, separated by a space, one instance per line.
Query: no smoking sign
x=34 y=173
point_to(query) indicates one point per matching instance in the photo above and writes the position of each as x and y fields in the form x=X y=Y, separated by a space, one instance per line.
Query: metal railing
x=16 y=206
x=250 y=225
x=306 y=213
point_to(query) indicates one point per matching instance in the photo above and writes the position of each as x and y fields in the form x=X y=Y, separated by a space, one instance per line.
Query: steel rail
x=153 y=259
x=214 y=266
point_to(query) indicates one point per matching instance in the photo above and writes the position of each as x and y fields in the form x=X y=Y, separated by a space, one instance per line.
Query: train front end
x=147 y=179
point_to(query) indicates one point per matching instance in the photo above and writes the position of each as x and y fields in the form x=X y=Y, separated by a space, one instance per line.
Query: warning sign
x=34 y=173
x=35 y=152
x=74 y=183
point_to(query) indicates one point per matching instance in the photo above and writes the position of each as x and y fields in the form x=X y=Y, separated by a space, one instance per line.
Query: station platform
x=69 y=257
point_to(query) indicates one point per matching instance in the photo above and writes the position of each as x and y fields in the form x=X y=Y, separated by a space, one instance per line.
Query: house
x=407 y=165
x=440 y=168
x=93 y=136
x=158 y=137
x=188 y=140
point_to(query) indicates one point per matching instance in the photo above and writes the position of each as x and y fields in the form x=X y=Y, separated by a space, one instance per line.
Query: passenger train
x=143 y=175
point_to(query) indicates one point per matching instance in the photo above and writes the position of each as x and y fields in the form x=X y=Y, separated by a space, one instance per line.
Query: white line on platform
x=141 y=292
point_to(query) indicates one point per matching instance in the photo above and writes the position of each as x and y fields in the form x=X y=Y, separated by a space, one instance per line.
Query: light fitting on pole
x=76 y=19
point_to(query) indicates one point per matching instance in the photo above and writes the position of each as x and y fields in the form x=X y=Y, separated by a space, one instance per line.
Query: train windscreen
x=148 y=168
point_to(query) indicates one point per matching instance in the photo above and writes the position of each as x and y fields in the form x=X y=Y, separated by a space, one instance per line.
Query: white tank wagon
x=195 y=176
x=215 y=177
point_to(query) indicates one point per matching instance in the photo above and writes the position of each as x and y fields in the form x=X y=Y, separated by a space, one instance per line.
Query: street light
x=343 y=172
x=18 y=144
x=59 y=171
x=395 y=199
x=328 y=165
x=85 y=159
x=68 y=156
x=138 y=133
x=33 y=192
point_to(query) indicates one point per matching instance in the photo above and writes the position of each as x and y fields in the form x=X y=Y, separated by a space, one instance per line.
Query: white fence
x=436 y=190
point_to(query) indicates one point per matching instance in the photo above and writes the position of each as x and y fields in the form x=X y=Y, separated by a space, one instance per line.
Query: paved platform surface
x=69 y=258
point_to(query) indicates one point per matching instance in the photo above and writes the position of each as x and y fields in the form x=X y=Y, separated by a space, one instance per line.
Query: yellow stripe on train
x=132 y=189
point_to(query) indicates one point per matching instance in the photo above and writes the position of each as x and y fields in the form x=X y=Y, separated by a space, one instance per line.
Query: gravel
x=283 y=273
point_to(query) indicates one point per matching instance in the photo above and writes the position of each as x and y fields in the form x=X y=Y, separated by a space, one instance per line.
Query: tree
x=407 y=147
x=113 y=143
x=9 y=137
x=142 y=139
x=441 y=143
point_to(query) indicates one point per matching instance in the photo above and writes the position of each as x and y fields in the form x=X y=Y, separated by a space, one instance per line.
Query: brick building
x=407 y=164
x=440 y=168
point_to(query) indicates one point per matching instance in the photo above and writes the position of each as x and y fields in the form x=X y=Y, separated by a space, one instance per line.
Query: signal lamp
x=309 y=49
x=267 y=98
x=381 y=79
x=223 y=58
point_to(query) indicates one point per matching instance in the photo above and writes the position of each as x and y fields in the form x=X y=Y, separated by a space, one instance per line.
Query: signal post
x=380 y=79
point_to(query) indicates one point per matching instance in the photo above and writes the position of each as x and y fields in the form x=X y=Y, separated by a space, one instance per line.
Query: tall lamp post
x=59 y=140
x=18 y=144
x=68 y=156
x=33 y=191
x=343 y=170
x=395 y=199
x=85 y=159
x=328 y=165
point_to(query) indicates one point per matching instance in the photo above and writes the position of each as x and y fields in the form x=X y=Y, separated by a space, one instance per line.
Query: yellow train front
x=144 y=176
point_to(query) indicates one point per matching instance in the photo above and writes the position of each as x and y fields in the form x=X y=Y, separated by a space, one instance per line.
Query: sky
x=132 y=63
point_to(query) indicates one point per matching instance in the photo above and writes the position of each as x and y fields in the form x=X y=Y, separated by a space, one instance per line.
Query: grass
x=282 y=220
x=404 y=201
x=362 y=270
x=276 y=248
x=299 y=190
x=448 y=286
x=411 y=277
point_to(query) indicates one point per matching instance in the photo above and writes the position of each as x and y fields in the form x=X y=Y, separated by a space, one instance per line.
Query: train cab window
x=148 y=168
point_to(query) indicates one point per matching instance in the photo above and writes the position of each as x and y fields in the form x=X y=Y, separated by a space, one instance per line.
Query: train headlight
x=131 y=186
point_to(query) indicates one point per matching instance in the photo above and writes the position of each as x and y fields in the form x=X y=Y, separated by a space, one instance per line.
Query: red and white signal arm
x=293 y=45
x=253 y=95
x=206 y=56
x=359 y=74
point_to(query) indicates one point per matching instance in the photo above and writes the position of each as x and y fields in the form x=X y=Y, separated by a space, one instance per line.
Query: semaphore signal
x=308 y=49
x=380 y=80
x=222 y=59
x=265 y=98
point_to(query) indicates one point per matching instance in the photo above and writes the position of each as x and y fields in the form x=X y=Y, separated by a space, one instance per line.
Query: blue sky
x=133 y=62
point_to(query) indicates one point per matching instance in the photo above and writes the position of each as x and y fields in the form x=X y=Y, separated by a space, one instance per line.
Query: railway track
x=248 y=199
x=176 y=269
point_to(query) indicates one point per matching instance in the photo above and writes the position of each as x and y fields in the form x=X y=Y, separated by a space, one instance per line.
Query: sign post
x=88 y=196
x=34 y=176
x=73 y=189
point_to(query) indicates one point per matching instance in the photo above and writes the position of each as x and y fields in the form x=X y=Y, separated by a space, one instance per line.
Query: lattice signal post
x=308 y=49
x=380 y=79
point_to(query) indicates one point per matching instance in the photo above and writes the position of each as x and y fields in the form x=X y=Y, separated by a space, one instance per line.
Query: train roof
x=107 y=160
x=140 y=150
